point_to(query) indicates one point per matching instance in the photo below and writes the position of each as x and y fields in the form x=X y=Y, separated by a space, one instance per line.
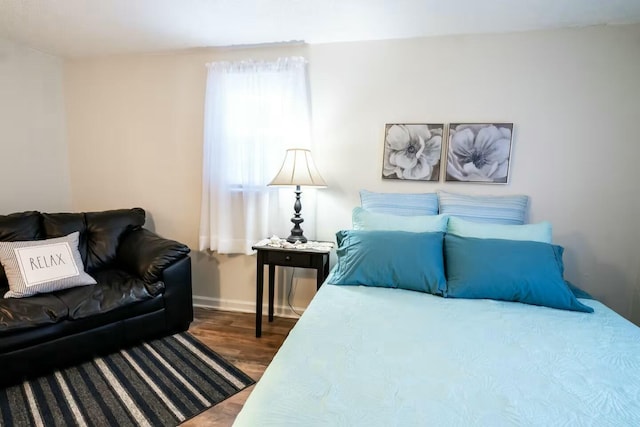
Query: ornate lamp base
x=296 y=232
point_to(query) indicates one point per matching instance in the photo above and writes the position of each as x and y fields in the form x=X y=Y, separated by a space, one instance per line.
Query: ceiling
x=78 y=28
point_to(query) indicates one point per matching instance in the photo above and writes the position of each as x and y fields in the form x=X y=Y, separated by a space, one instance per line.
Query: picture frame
x=412 y=151
x=479 y=152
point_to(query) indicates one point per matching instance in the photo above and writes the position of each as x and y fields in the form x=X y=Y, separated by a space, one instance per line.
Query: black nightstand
x=272 y=256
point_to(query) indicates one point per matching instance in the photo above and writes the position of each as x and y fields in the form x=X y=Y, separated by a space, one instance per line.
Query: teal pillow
x=540 y=232
x=390 y=259
x=363 y=219
x=508 y=270
x=577 y=292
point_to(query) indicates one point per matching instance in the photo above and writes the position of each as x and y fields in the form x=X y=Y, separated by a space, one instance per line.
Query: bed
x=365 y=355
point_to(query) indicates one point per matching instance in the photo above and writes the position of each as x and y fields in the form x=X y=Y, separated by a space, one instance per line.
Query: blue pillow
x=405 y=204
x=577 y=292
x=491 y=209
x=540 y=232
x=508 y=270
x=390 y=259
x=363 y=219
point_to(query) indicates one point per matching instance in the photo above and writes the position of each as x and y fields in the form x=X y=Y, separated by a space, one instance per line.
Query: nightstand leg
x=259 y=290
x=325 y=260
x=322 y=270
x=272 y=274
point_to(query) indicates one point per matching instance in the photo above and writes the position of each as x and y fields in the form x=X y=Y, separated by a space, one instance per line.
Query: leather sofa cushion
x=63 y=224
x=23 y=226
x=25 y=313
x=58 y=335
x=115 y=289
x=104 y=231
x=100 y=232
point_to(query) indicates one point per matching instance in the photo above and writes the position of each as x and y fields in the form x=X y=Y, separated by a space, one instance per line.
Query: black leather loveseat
x=143 y=290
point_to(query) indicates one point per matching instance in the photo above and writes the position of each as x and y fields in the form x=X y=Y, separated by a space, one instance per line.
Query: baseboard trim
x=244 y=306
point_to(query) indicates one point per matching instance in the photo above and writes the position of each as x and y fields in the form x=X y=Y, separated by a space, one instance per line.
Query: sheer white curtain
x=254 y=111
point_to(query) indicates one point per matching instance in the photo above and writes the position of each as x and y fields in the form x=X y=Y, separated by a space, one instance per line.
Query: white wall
x=34 y=170
x=572 y=95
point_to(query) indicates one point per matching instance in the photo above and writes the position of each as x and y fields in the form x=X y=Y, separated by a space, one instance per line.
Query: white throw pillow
x=43 y=266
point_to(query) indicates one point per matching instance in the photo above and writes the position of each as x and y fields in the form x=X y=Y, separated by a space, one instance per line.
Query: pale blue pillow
x=540 y=232
x=390 y=259
x=363 y=219
x=404 y=204
x=491 y=209
x=508 y=270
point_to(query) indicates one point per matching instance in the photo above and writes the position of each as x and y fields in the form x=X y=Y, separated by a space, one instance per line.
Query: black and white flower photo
x=412 y=151
x=479 y=152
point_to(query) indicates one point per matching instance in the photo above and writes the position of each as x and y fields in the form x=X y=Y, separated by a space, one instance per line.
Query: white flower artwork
x=479 y=152
x=412 y=151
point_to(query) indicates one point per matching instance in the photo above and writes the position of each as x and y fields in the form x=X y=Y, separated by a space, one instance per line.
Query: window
x=254 y=111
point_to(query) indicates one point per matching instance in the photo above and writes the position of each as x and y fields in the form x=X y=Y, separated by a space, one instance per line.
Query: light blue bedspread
x=388 y=357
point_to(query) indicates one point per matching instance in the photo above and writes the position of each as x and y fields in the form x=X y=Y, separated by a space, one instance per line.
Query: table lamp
x=298 y=169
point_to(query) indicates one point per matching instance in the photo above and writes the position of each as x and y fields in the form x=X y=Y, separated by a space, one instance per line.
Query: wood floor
x=232 y=335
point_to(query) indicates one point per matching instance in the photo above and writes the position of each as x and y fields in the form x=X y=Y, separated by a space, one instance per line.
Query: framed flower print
x=412 y=151
x=479 y=152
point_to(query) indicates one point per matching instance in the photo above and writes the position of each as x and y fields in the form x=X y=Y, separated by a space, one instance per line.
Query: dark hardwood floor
x=232 y=335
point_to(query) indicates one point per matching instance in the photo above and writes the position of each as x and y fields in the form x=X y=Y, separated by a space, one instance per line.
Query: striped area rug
x=158 y=383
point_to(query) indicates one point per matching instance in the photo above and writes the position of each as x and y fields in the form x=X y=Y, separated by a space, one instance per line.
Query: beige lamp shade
x=298 y=168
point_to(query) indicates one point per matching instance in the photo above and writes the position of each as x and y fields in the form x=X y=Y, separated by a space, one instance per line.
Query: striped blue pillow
x=406 y=204
x=490 y=209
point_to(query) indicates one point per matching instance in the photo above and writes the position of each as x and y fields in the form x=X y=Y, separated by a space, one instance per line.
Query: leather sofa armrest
x=178 y=300
x=146 y=254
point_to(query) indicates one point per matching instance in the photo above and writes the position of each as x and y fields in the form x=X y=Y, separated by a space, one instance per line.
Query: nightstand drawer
x=288 y=258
